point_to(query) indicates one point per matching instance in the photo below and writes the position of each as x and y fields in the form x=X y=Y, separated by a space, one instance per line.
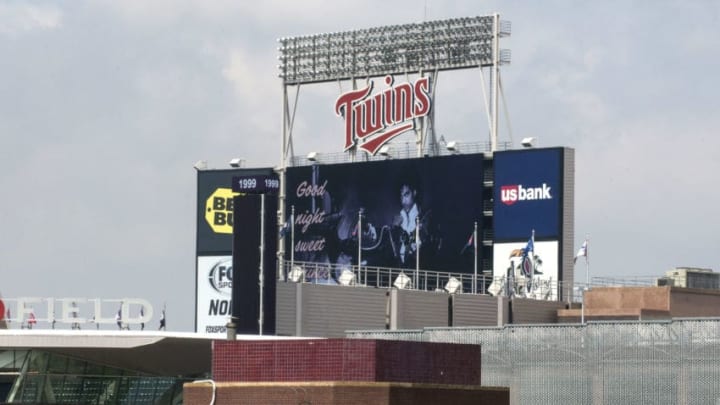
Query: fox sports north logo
x=220 y=276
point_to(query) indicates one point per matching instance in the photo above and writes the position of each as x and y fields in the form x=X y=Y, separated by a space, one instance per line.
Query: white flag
x=583 y=251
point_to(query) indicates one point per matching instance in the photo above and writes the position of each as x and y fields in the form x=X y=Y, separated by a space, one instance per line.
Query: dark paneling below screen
x=246 y=264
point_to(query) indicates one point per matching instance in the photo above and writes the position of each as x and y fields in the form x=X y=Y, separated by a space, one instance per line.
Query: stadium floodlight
x=312 y=156
x=453 y=286
x=237 y=162
x=347 y=277
x=456 y=43
x=386 y=150
x=200 y=165
x=528 y=142
x=297 y=274
x=403 y=281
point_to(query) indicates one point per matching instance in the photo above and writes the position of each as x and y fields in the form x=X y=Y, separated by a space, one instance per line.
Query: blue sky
x=106 y=105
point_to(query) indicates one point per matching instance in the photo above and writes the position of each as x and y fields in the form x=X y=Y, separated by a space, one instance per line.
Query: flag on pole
x=289 y=225
x=470 y=243
x=285 y=229
x=530 y=247
x=31 y=319
x=527 y=262
x=583 y=251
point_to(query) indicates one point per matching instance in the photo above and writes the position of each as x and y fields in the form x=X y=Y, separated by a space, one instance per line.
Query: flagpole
x=261 y=276
x=587 y=275
x=587 y=263
x=474 y=287
x=359 y=235
x=417 y=252
x=532 y=262
x=587 y=272
x=585 y=251
x=292 y=238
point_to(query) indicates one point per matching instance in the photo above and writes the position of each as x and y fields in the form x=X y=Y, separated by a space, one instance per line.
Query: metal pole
x=587 y=265
x=582 y=307
x=262 y=250
x=281 y=198
x=359 y=236
x=417 y=251
x=587 y=279
x=474 y=287
x=292 y=238
x=495 y=86
x=587 y=272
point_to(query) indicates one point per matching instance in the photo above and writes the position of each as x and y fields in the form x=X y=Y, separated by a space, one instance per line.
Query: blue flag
x=285 y=229
x=529 y=248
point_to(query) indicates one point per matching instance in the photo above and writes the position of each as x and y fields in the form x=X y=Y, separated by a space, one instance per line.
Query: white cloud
x=16 y=19
x=239 y=72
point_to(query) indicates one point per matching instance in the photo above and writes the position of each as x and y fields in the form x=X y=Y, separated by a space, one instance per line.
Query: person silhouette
x=162 y=320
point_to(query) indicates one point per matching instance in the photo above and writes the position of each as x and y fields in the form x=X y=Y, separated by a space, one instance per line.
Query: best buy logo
x=219 y=210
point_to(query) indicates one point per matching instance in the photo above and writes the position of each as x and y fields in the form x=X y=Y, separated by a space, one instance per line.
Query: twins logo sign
x=374 y=120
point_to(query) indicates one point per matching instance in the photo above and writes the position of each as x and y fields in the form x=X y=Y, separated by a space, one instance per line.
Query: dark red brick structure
x=346 y=360
x=345 y=393
x=344 y=371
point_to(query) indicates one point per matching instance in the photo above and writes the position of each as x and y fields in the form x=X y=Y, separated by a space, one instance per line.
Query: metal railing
x=466 y=283
x=423 y=280
x=623 y=281
x=407 y=150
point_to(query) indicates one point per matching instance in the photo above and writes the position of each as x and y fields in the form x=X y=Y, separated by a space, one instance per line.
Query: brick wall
x=345 y=393
x=346 y=360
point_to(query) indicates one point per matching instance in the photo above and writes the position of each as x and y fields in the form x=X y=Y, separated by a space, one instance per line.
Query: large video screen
x=434 y=201
x=527 y=194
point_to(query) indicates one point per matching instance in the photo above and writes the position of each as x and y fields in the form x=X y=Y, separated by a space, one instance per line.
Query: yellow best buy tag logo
x=219 y=210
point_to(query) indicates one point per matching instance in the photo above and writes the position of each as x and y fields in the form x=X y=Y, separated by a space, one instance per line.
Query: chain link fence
x=670 y=362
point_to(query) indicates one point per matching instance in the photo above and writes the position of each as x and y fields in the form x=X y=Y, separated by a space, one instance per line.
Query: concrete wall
x=527 y=311
x=606 y=303
x=329 y=310
x=656 y=298
x=694 y=302
x=475 y=310
x=412 y=309
x=286 y=306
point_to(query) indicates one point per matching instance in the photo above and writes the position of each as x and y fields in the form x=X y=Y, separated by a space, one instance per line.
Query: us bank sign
x=372 y=120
